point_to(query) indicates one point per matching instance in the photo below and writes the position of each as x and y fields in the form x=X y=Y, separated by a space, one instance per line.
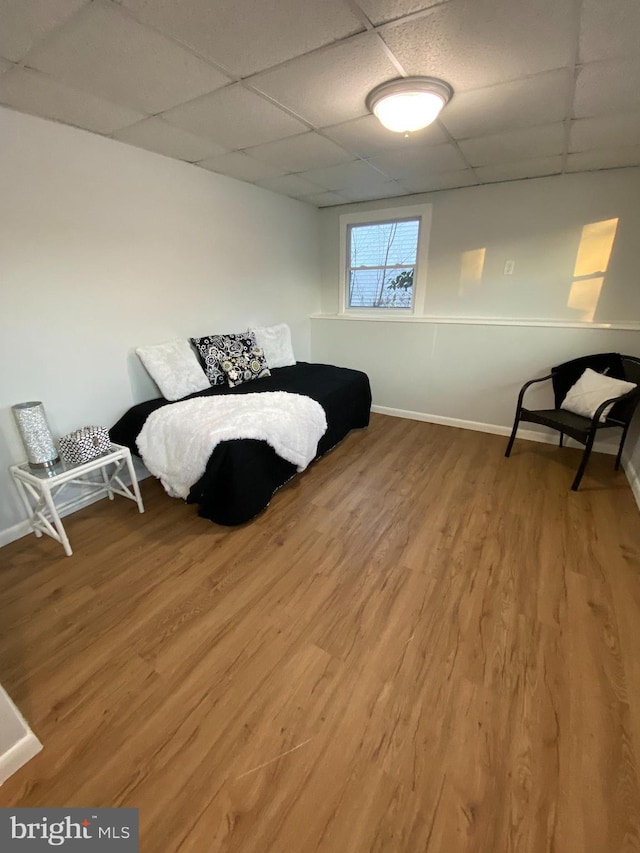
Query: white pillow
x=174 y=368
x=275 y=342
x=591 y=390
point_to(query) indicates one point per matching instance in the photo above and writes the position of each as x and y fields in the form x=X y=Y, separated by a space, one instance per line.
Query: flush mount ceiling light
x=409 y=103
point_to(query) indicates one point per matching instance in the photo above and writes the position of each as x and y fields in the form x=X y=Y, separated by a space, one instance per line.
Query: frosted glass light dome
x=409 y=103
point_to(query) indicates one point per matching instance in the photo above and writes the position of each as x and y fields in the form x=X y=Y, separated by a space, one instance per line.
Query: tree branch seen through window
x=382 y=258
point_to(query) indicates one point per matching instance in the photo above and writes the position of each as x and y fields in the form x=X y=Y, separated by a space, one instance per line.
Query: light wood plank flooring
x=420 y=646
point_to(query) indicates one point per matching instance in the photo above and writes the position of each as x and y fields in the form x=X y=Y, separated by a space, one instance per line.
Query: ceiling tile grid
x=154 y=134
x=512 y=145
x=329 y=86
x=479 y=43
x=365 y=136
x=609 y=29
x=34 y=92
x=103 y=50
x=25 y=23
x=239 y=165
x=540 y=99
x=274 y=92
x=610 y=86
x=420 y=162
x=426 y=183
x=534 y=168
x=293 y=185
x=603 y=158
x=235 y=118
x=245 y=36
x=382 y=11
x=297 y=153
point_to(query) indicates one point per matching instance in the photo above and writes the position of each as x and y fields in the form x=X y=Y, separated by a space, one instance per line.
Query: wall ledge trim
x=478 y=321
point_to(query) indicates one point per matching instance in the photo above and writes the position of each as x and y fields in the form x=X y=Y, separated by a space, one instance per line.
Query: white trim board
x=633 y=477
x=360 y=316
x=528 y=434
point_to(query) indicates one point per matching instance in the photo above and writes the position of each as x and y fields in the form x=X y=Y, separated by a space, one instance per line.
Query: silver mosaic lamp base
x=35 y=434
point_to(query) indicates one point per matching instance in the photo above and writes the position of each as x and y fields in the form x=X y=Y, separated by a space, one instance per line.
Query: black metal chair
x=578 y=427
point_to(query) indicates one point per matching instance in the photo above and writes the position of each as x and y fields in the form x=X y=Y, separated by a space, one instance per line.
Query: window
x=383 y=256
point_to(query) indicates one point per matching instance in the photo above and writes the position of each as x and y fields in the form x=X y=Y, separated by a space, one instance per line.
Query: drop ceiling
x=273 y=92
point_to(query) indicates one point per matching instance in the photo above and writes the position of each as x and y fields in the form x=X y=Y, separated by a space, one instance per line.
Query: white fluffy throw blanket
x=177 y=440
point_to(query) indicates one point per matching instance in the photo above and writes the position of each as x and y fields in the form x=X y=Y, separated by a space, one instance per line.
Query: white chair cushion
x=591 y=390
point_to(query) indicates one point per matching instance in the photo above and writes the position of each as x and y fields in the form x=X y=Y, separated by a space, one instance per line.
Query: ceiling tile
x=604 y=158
x=298 y=153
x=380 y=11
x=239 y=165
x=246 y=36
x=324 y=199
x=41 y=95
x=541 y=99
x=442 y=181
x=522 y=169
x=104 y=51
x=366 y=136
x=390 y=189
x=476 y=43
x=420 y=163
x=156 y=135
x=349 y=175
x=25 y=22
x=330 y=85
x=607 y=87
x=234 y=118
x=511 y=146
x=292 y=185
x=605 y=132
x=609 y=29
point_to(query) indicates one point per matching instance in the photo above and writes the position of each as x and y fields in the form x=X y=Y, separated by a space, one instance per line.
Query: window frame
x=384 y=216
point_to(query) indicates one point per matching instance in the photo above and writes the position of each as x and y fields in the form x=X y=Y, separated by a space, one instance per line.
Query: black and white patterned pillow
x=244 y=368
x=216 y=350
x=212 y=349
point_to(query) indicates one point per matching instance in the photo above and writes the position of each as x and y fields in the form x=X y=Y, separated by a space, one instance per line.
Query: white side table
x=39 y=489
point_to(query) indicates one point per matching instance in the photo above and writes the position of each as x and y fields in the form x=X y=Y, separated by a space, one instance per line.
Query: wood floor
x=420 y=646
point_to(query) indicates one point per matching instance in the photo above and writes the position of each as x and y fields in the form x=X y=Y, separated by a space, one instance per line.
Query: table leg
x=134 y=482
x=107 y=482
x=27 y=505
x=56 y=519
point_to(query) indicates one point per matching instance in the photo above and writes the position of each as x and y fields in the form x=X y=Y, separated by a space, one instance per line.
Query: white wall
x=104 y=247
x=473 y=371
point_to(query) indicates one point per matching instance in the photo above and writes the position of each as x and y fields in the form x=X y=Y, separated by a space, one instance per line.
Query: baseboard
x=528 y=434
x=23 y=528
x=18 y=755
x=16 y=531
x=477 y=426
x=633 y=477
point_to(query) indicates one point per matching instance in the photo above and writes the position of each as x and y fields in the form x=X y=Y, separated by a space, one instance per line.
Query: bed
x=242 y=475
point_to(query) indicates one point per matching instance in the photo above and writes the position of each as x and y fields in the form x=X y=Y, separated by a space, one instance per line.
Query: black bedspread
x=242 y=475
